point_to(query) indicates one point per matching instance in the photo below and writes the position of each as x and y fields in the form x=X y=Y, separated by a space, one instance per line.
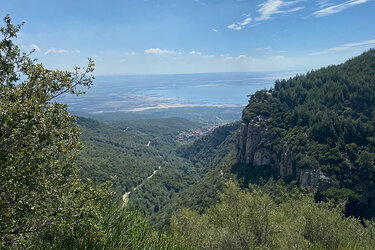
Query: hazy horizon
x=132 y=93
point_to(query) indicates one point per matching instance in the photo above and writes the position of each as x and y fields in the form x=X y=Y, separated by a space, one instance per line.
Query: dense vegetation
x=328 y=118
x=271 y=217
x=44 y=203
x=212 y=157
x=129 y=151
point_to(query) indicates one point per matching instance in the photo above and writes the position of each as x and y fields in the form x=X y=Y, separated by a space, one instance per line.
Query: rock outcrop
x=250 y=137
x=314 y=179
x=252 y=149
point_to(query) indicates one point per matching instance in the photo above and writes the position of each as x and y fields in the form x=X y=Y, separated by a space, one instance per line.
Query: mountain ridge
x=318 y=129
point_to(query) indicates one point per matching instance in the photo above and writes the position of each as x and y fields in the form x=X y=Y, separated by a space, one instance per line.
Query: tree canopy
x=43 y=202
x=39 y=139
x=327 y=118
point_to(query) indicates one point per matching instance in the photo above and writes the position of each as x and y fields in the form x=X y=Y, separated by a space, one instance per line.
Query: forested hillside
x=318 y=129
x=128 y=152
x=314 y=129
x=62 y=177
x=213 y=156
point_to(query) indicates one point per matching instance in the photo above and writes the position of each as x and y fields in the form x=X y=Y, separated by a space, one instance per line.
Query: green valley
x=297 y=171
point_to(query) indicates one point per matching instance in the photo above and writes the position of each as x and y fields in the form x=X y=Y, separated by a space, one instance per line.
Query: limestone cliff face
x=251 y=149
x=250 y=137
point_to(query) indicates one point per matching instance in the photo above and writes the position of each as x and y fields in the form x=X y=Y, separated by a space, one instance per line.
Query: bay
x=136 y=93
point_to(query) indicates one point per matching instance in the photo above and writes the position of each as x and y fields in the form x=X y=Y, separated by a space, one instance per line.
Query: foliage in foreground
x=45 y=205
x=43 y=202
x=39 y=141
x=103 y=227
x=272 y=220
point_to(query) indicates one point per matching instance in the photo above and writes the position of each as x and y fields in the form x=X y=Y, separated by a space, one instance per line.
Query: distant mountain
x=209 y=116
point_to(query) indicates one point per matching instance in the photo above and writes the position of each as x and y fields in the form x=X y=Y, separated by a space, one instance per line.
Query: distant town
x=193 y=134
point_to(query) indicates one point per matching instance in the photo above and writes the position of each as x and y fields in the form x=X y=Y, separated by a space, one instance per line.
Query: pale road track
x=125 y=197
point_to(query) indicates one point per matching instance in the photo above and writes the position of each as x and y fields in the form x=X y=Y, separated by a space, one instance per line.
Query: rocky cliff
x=316 y=128
x=253 y=149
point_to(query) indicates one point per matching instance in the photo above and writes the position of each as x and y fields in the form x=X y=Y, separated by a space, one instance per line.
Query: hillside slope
x=128 y=152
x=213 y=156
x=318 y=129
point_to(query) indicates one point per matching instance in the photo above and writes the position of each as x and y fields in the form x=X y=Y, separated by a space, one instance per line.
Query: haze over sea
x=132 y=93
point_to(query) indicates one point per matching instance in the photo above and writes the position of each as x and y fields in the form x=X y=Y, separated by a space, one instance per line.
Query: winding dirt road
x=125 y=197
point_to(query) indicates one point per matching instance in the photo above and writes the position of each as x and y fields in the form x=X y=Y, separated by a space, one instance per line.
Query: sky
x=193 y=36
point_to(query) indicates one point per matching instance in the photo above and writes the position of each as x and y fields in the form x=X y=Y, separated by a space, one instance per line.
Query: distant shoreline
x=171 y=106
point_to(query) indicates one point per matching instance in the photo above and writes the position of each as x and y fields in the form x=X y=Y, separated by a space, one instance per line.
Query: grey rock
x=251 y=150
x=287 y=162
x=250 y=136
x=262 y=157
x=314 y=179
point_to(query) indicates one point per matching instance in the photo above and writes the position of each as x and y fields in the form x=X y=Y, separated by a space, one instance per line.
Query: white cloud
x=271 y=7
x=276 y=57
x=324 y=3
x=195 y=53
x=263 y=48
x=348 y=46
x=61 y=51
x=35 y=47
x=269 y=50
x=31 y=46
x=240 y=25
x=353 y=45
x=215 y=30
x=241 y=57
x=333 y=9
x=317 y=53
x=228 y=58
x=267 y=9
x=130 y=53
x=97 y=58
x=158 y=51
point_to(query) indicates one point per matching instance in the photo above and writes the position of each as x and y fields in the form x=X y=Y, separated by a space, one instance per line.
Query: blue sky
x=193 y=36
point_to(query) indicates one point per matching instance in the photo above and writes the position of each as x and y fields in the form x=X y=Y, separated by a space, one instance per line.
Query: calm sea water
x=142 y=92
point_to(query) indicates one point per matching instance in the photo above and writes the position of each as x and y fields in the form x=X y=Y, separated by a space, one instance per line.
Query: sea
x=137 y=93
